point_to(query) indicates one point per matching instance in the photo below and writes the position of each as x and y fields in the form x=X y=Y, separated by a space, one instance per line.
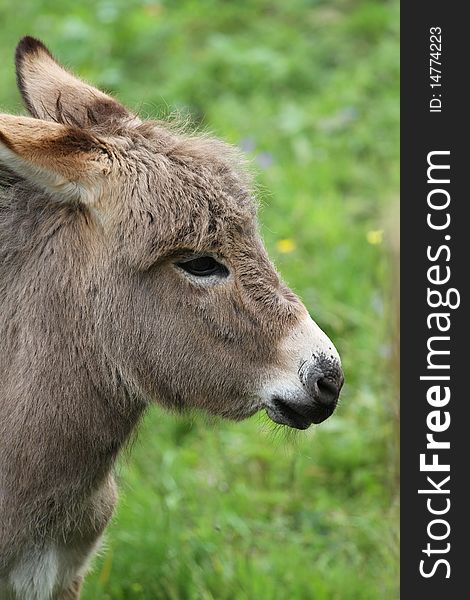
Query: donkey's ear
x=64 y=161
x=51 y=93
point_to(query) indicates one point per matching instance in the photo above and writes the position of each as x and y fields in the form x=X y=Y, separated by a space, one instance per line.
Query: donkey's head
x=159 y=230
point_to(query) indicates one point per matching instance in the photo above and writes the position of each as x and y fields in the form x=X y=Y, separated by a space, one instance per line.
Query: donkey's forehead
x=211 y=161
x=194 y=174
x=187 y=192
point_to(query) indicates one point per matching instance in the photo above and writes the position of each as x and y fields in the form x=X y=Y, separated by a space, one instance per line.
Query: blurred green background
x=309 y=89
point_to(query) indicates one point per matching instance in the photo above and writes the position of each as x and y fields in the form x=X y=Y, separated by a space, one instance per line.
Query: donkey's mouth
x=297 y=416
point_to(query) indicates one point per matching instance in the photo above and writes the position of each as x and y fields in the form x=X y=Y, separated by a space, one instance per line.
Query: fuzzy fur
x=97 y=322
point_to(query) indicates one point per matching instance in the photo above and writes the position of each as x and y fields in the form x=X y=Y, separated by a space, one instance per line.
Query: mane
x=7 y=180
x=19 y=220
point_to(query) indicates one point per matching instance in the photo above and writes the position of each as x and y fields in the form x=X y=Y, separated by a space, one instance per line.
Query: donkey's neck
x=60 y=438
x=64 y=408
x=64 y=422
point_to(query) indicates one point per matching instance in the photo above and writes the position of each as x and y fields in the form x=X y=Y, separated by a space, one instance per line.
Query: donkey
x=131 y=272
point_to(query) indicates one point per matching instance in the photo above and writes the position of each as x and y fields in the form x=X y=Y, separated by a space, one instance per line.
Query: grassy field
x=309 y=89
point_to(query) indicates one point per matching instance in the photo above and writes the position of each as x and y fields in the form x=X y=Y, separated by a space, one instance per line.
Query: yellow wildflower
x=285 y=246
x=375 y=236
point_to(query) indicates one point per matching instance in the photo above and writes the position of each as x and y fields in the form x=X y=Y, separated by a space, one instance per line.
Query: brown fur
x=50 y=92
x=96 y=321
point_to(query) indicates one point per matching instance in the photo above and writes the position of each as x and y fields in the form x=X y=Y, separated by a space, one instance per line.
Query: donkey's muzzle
x=322 y=381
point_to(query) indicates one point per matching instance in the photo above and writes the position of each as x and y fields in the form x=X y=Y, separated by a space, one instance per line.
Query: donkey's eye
x=203 y=266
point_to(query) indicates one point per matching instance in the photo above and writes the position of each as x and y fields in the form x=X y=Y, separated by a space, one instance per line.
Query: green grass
x=310 y=89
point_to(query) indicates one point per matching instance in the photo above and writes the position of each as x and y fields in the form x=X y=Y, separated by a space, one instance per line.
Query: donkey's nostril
x=328 y=392
x=324 y=382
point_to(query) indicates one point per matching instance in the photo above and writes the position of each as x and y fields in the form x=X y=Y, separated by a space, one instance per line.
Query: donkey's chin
x=297 y=416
